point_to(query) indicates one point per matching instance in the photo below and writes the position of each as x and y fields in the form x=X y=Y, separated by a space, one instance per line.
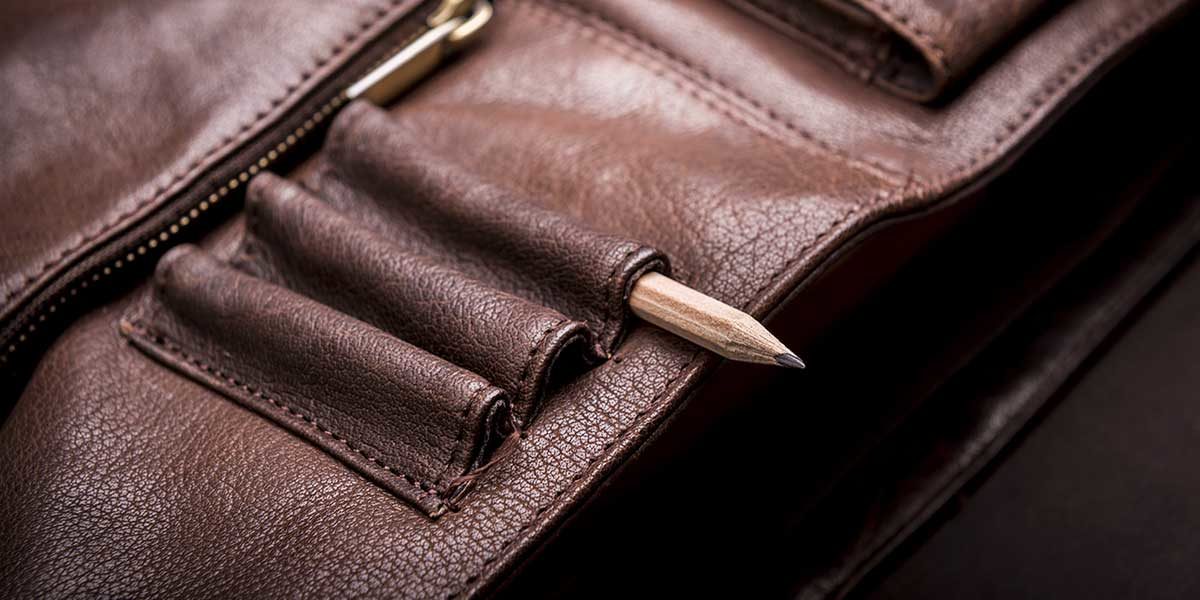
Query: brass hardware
x=416 y=60
x=419 y=58
x=449 y=9
x=467 y=31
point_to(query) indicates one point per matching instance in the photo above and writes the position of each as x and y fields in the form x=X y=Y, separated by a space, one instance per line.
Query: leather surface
x=914 y=48
x=111 y=109
x=407 y=416
x=797 y=99
x=748 y=167
x=399 y=415
x=819 y=521
x=298 y=241
x=407 y=180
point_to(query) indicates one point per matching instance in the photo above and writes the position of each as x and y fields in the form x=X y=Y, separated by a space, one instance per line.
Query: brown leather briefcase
x=264 y=335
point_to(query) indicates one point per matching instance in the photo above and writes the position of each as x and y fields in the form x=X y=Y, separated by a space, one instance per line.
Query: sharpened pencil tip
x=789 y=360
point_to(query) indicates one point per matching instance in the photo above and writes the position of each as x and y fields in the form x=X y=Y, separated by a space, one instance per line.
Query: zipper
x=445 y=28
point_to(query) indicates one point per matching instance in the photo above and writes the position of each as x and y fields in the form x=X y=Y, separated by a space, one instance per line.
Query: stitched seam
x=541 y=340
x=1123 y=30
x=827 y=43
x=462 y=429
x=690 y=72
x=230 y=380
x=228 y=141
x=1114 y=35
x=699 y=80
x=624 y=433
x=578 y=476
x=939 y=55
x=800 y=253
x=253 y=237
x=868 y=67
x=880 y=197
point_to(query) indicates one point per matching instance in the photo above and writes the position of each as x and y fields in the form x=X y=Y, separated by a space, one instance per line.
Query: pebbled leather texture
x=300 y=242
x=410 y=183
x=749 y=167
x=400 y=416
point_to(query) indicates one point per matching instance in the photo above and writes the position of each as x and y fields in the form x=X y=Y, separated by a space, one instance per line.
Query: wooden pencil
x=707 y=322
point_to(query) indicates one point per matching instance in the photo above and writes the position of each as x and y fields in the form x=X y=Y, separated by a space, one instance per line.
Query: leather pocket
x=298 y=241
x=402 y=417
x=400 y=312
x=913 y=48
x=385 y=174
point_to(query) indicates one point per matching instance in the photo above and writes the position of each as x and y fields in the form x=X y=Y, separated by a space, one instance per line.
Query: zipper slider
x=451 y=25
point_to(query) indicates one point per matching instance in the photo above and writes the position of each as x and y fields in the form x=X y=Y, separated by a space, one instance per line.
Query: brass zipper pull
x=451 y=25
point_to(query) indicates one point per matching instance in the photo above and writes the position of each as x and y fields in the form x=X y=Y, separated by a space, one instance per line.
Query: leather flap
x=914 y=48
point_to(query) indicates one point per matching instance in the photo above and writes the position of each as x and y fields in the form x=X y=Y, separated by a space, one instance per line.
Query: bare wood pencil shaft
x=707 y=322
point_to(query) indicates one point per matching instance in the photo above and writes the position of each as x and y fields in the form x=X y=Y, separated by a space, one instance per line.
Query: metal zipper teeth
x=175 y=228
x=148 y=248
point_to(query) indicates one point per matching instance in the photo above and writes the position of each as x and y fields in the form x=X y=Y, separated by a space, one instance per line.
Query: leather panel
x=913 y=48
x=414 y=188
x=177 y=86
x=402 y=417
x=796 y=97
x=297 y=241
x=617 y=118
x=434 y=258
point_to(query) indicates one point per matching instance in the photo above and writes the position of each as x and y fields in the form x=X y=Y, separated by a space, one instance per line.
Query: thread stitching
x=253 y=238
x=864 y=66
x=624 y=433
x=462 y=428
x=1122 y=29
x=939 y=54
x=226 y=142
x=699 y=80
x=582 y=472
x=827 y=42
x=614 y=307
x=1111 y=36
x=879 y=198
x=533 y=350
x=230 y=380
